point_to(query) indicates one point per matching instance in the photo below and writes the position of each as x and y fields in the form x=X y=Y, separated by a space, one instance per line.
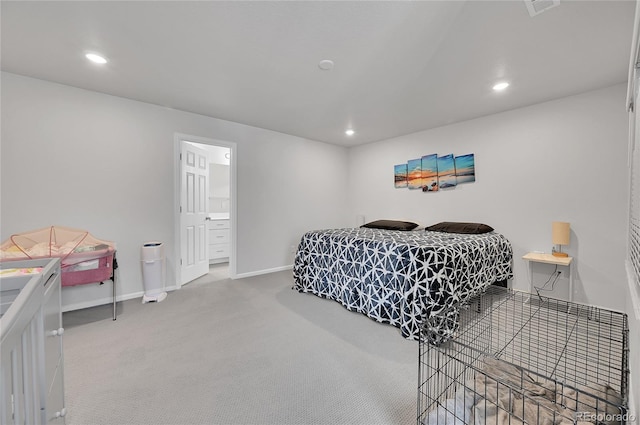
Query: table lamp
x=560 y=235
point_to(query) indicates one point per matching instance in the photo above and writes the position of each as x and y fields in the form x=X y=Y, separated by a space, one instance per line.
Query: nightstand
x=536 y=257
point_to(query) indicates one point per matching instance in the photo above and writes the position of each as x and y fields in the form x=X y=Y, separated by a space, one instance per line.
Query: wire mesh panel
x=519 y=358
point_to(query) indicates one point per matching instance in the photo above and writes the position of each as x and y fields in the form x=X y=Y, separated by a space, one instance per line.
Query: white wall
x=83 y=159
x=218 y=154
x=563 y=160
x=87 y=160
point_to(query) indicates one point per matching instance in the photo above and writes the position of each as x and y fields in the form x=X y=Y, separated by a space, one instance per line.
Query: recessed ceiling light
x=95 y=58
x=501 y=86
x=350 y=132
x=325 y=65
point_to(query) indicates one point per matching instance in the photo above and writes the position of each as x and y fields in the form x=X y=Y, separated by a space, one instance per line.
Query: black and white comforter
x=402 y=278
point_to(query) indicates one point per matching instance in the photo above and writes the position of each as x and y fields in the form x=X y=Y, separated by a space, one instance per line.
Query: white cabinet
x=219 y=235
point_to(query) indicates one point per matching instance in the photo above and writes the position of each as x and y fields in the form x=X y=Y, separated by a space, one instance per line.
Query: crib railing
x=31 y=372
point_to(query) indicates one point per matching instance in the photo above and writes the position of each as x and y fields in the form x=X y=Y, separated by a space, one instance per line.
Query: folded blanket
x=503 y=394
x=588 y=401
x=455 y=411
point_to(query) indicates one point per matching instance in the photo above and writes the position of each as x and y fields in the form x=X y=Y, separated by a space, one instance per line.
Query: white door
x=194 y=189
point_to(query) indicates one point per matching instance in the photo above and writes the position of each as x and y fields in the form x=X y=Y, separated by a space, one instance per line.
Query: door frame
x=178 y=137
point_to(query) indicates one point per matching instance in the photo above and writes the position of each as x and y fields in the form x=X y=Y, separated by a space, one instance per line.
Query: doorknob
x=208 y=218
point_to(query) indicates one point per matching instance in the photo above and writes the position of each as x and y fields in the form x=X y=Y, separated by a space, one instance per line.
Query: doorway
x=217 y=240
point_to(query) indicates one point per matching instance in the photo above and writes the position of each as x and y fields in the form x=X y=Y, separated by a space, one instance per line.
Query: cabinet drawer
x=218 y=251
x=218 y=224
x=218 y=236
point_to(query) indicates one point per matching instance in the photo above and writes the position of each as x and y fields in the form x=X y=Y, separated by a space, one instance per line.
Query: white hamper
x=31 y=376
x=152 y=259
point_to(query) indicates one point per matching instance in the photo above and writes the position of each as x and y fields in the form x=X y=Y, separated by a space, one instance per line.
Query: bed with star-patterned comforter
x=404 y=278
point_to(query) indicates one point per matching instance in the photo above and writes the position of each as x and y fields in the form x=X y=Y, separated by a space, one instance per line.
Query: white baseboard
x=108 y=300
x=265 y=271
x=124 y=297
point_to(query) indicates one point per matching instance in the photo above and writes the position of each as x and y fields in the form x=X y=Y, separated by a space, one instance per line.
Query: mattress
x=399 y=277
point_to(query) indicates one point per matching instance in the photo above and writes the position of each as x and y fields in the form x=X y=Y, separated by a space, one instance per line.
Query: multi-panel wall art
x=400 y=173
x=432 y=172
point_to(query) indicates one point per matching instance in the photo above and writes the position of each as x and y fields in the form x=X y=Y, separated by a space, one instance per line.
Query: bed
x=84 y=258
x=402 y=277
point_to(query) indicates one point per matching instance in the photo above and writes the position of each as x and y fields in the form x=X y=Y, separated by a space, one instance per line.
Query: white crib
x=31 y=372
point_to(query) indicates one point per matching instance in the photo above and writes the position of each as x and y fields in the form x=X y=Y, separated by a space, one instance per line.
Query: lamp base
x=559 y=254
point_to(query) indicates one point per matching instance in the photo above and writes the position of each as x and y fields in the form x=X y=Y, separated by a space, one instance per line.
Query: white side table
x=536 y=257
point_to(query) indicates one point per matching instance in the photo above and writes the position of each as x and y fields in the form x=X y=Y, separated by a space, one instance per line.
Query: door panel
x=194 y=173
x=202 y=241
x=191 y=208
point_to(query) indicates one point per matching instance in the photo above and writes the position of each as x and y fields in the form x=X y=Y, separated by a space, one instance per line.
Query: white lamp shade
x=560 y=233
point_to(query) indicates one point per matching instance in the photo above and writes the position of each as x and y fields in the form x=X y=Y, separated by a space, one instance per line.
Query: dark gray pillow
x=391 y=225
x=456 y=227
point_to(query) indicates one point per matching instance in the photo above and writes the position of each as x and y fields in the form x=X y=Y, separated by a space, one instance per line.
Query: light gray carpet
x=247 y=351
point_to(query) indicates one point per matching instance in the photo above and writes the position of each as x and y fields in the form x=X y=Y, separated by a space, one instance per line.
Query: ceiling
x=399 y=67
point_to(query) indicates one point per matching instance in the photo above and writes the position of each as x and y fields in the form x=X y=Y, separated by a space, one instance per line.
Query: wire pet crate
x=524 y=359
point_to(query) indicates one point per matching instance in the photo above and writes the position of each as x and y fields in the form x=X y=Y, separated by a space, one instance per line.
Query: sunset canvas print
x=465 y=168
x=400 y=175
x=430 y=173
x=414 y=167
x=446 y=171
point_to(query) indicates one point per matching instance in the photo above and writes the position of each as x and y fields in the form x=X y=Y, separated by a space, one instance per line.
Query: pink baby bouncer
x=83 y=257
